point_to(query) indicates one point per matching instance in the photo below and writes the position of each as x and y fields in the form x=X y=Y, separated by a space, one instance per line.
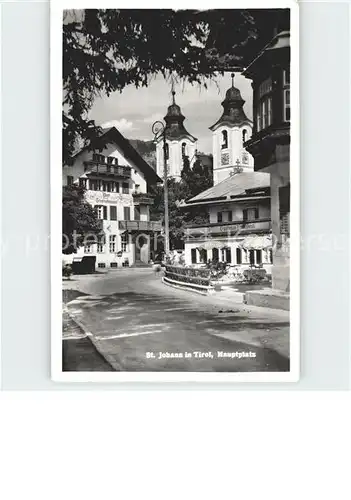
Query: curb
x=112 y=362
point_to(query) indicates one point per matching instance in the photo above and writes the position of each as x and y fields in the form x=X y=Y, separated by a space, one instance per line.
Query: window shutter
x=113 y=212
x=126 y=213
x=105 y=212
x=256 y=213
x=245 y=214
x=219 y=217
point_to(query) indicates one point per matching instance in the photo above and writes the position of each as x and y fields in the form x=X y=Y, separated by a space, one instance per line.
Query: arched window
x=224 y=139
x=245 y=135
x=167 y=151
x=183 y=149
x=215 y=254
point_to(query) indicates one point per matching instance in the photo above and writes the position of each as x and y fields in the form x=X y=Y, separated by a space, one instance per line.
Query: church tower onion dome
x=233 y=113
x=175 y=123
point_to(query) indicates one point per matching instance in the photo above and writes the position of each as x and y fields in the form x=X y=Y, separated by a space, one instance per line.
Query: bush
x=67 y=271
x=217 y=269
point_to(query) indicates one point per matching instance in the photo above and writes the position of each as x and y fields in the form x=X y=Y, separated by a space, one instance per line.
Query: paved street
x=140 y=324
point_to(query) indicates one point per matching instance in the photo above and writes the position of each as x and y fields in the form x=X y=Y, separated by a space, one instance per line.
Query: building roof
x=233 y=113
x=280 y=41
x=112 y=136
x=238 y=185
x=174 y=122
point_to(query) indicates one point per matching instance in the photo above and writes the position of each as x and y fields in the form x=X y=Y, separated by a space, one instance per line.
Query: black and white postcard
x=174 y=209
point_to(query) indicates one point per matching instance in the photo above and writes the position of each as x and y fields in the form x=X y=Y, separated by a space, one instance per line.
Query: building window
x=245 y=135
x=126 y=211
x=286 y=105
x=193 y=255
x=112 y=241
x=184 y=149
x=125 y=188
x=113 y=264
x=83 y=183
x=227 y=255
x=271 y=256
x=252 y=257
x=230 y=216
x=224 y=139
x=100 y=248
x=286 y=95
x=238 y=256
x=250 y=214
x=93 y=184
x=113 y=212
x=284 y=223
x=203 y=256
x=286 y=77
x=124 y=242
x=101 y=265
x=136 y=212
x=70 y=180
x=88 y=248
x=264 y=105
x=215 y=254
x=258 y=256
x=101 y=212
x=219 y=216
x=264 y=113
x=167 y=151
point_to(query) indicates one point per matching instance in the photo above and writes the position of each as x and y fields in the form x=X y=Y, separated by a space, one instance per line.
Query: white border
x=56 y=9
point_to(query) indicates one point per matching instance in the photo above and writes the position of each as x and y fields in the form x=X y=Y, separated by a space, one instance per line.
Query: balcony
x=143 y=199
x=229 y=228
x=139 y=225
x=93 y=167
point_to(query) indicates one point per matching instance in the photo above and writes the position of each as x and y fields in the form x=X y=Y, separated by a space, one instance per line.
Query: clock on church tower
x=229 y=135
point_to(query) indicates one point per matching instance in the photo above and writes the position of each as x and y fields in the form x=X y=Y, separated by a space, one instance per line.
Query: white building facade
x=238 y=231
x=179 y=143
x=117 y=182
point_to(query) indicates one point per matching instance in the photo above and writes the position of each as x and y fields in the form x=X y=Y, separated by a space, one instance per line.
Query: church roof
x=233 y=113
x=175 y=122
x=238 y=185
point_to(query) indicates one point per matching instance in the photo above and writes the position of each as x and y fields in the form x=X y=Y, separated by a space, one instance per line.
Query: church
x=179 y=143
x=238 y=230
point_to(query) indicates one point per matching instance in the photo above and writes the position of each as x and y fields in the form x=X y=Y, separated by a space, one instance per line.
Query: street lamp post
x=159 y=129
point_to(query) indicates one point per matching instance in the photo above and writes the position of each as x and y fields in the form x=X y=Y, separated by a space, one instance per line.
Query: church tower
x=229 y=134
x=179 y=143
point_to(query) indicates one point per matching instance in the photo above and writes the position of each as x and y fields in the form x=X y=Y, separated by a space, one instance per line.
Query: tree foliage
x=193 y=181
x=104 y=50
x=79 y=220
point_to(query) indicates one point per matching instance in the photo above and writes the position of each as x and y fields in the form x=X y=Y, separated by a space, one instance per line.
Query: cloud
x=154 y=117
x=122 y=125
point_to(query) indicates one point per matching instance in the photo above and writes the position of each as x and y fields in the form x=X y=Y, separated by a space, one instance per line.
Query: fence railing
x=189 y=278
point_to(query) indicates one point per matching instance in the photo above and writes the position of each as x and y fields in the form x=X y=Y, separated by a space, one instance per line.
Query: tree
x=194 y=180
x=177 y=192
x=79 y=220
x=198 y=178
x=104 y=50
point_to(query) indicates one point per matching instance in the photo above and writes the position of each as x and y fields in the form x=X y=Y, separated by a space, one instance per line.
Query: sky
x=135 y=110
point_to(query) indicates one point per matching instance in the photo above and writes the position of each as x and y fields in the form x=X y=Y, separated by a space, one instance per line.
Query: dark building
x=270 y=143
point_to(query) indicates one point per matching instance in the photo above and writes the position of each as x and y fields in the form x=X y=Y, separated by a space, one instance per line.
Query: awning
x=257 y=242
